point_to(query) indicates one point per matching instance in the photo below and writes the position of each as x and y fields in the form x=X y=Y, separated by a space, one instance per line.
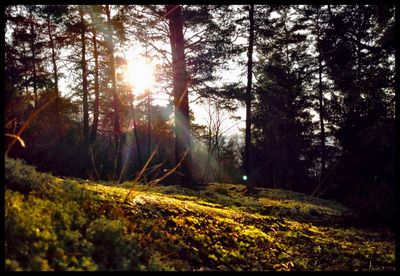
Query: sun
x=139 y=74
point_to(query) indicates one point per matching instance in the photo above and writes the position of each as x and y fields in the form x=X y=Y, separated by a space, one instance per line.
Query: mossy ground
x=81 y=225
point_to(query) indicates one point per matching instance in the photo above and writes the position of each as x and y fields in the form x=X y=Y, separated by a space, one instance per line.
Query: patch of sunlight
x=173 y=189
x=254 y=232
x=106 y=192
x=181 y=197
x=208 y=222
x=141 y=199
x=57 y=180
x=192 y=205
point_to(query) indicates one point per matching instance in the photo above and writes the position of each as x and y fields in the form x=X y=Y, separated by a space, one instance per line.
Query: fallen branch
x=147 y=163
x=156 y=181
x=168 y=173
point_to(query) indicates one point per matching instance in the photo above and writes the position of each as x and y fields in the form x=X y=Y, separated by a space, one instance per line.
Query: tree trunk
x=148 y=125
x=116 y=100
x=207 y=172
x=274 y=162
x=59 y=124
x=96 y=88
x=321 y=104
x=135 y=132
x=147 y=91
x=181 y=99
x=53 y=58
x=247 y=153
x=33 y=49
x=25 y=77
x=84 y=79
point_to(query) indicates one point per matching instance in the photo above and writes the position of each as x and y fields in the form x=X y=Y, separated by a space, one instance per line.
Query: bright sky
x=140 y=74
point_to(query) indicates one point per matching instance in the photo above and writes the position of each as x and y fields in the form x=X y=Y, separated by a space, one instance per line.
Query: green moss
x=24 y=178
x=83 y=225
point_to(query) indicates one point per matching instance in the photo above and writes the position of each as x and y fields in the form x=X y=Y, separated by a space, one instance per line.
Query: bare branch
x=25 y=125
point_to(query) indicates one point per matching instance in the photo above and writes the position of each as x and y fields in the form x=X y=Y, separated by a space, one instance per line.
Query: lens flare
x=139 y=74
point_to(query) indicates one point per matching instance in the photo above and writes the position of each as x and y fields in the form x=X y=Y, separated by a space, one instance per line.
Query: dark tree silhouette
x=181 y=99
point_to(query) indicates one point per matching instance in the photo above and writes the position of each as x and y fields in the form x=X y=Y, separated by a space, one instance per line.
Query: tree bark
x=59 y=123
x=247 y=153
x=33 y=49
x=321 y=102
x=148 y=124
x=135 y=132
x=180 y=90
x=116 y=100
x=84 y=79
x=96 y=86
x=53 y=58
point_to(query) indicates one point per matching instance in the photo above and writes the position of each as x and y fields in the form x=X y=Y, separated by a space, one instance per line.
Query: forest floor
x=75 y=224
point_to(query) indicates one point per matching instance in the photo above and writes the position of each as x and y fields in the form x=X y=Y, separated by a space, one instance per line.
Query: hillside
x=74 y=224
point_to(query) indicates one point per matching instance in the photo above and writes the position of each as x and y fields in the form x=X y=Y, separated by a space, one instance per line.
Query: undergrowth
x=73 y=224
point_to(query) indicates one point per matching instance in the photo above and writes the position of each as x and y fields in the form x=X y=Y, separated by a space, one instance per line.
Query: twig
x=154 y=182
x=142 y=171
x=156 y=168
x=33 y=115
x=147 y=163
x=16 y=137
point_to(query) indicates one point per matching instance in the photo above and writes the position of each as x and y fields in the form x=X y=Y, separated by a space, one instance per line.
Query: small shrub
x=24 y=178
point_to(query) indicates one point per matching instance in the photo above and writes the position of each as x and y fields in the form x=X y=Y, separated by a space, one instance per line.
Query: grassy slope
x=174 y=228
